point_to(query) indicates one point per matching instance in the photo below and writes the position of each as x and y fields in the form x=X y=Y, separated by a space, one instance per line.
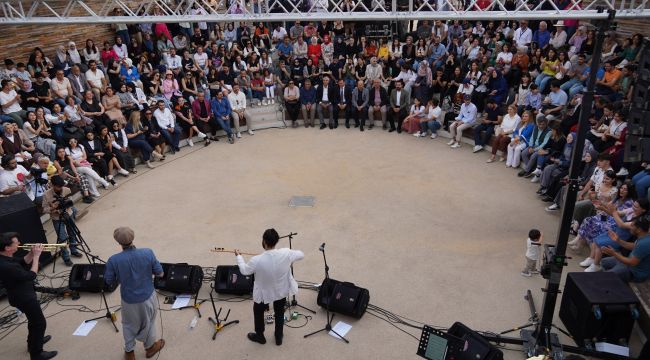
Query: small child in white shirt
x=533 y=246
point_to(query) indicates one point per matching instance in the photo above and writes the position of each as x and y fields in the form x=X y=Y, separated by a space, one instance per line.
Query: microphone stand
x=328 y=326
x=294 y=302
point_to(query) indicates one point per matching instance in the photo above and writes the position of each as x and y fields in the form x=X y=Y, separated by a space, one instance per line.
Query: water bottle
x=193 y=322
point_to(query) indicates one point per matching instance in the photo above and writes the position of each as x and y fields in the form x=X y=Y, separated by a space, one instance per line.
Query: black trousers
x=359 y=116
x=208 y=127
x=278 y=309
x=345 y=111
x=36 y=325
x=293 y=109
x=399 y=116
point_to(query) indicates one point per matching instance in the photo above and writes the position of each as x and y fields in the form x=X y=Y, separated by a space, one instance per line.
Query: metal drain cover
x=302 y=201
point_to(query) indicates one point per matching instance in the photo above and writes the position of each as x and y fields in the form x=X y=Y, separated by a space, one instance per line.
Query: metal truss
x=17 y=12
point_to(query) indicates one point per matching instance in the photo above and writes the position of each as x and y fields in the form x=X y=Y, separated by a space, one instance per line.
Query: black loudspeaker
x=641 y=95
x=343 y=297
x=476 y=347
x=598 y=306
x=644 y=61
x=228 y=280
x=180 y=278
x=18 y=214
x=89 y=278
x=638 y=122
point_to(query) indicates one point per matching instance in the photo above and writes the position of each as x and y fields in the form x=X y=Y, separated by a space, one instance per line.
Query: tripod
x=92 y=259
x=294 y=302
x=328 y=326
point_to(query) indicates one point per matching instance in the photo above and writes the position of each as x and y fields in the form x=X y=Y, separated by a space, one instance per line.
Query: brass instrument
x=220 y=249
x=46 y=247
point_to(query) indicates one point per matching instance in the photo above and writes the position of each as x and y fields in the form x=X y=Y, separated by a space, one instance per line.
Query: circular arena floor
x=435 y=234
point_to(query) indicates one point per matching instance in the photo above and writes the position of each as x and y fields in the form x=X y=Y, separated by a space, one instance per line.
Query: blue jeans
x=481 y=140
x=143 y=146
x=172 y=138
x=541 y=80
x=433 y=125
x=65 y=234
x=610 y=264
x=225 y=125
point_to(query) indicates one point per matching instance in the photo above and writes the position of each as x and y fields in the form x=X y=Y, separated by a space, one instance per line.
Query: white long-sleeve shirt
x=523 y=38
x=164 y=118
x=123 y=138
x=273 y=279
x=237 y=101
x=467 y=113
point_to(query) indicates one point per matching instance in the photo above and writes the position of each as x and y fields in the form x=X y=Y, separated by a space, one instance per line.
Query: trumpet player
x=19 y=283
x=54 y=201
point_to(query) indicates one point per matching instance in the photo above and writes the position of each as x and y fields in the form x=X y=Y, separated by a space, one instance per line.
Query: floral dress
x=595 y=225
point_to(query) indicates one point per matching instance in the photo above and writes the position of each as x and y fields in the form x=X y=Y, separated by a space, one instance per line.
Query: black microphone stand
x=294 y=302
x=328 y=326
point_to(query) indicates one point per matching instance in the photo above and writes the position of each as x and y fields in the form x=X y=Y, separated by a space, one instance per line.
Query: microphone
x=322 y=247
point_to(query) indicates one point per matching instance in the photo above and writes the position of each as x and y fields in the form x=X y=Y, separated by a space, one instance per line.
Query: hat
x=57 y=181
x=124 y=235
x=559 y=23
x=467 y=97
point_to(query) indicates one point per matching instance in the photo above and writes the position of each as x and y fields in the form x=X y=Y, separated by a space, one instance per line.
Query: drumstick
x=220 y=249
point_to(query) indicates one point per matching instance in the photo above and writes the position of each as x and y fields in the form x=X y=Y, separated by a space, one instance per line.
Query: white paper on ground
x=613 y=349
x=85 y=328
x=181 y=300
x=341 y=328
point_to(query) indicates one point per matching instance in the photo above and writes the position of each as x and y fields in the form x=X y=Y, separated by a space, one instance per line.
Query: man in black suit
x=325 y=97
x=343 y=103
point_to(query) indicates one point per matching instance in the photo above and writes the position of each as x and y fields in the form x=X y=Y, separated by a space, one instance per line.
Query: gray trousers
x=531 y=265
x=309 y=120
x=235 y=120
x=319 y=110
x=371 y=115
x=529 y=160
x=139 y=322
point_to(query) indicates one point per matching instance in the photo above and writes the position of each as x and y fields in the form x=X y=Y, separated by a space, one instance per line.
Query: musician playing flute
x=273 y=283
x=19 y=282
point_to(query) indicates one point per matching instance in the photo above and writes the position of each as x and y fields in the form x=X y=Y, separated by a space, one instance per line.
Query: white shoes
x=535 y=179
x=149 y=164
x=156 y=155
x=622 y=172
x=250 y=132
x=433 y=136
x=537 y=172
x=272 y=101
x=451 y=142
x=202 y=135
x=478 y=148
x=553 y=207
x=593 y=268
x=455 y=146
x=190 y=143
x=238 y=135
x=417 y=134
x=587 y=262
x=123 y=172
x=264 y=102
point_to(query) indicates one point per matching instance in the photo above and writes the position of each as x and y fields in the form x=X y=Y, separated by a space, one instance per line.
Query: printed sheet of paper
x=341 y=328
x=85 y=328
x=613 y=349
x=181 y=300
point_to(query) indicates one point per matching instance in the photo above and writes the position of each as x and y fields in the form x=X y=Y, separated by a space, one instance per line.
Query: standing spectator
x=62 y=218
x=533 y=247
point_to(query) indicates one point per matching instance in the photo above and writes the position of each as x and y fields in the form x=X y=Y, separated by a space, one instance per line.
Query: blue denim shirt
x=220 y=108
x=133 y=269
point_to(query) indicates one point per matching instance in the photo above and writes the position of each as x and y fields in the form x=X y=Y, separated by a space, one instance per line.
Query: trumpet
x=46 y=247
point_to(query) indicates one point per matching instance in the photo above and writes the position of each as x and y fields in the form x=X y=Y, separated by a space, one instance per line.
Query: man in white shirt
x=173 y=62
x=523 y=35
x=431 y=120
x=96 y=79
x=466 y=119
x=169 y=129
x=279 y=33
x=10 y=103
x=12 y=178
x=237 y=101
x=273 y=283
x=61 y=88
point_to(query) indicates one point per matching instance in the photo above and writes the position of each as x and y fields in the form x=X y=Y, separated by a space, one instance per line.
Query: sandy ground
x=435 y=234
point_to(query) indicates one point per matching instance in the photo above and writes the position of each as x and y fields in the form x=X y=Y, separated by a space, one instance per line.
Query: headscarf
x=74 y=53
x=61 y=54
x=568 y=147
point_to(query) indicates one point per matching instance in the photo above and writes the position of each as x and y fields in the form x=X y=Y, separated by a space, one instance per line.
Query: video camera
x=63 y=202
x=37 y=173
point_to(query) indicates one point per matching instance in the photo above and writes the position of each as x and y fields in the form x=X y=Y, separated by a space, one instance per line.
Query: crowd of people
x=517 y=86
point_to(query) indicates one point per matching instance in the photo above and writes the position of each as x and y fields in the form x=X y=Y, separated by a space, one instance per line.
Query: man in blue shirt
x=308 y=103
x=133 y=269
x=542 y=36
x=285 y=49
x=221 y=110
x=636 y=266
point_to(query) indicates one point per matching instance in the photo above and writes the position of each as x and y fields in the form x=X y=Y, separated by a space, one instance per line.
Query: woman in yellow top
x=383 y=52
x=550 y=67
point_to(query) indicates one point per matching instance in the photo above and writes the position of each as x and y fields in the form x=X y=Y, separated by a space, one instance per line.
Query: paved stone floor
x=435 y=234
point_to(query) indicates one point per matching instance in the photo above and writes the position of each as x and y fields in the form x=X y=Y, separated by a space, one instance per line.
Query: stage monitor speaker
x=476 y=347
x=343 y=297
x=89 y=278
x=180 y=278
x=229 y=280
x=18 y=214
x=598 y=307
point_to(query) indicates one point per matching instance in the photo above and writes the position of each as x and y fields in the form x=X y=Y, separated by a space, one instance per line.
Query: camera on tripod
x=37 y=173
x=64 y=203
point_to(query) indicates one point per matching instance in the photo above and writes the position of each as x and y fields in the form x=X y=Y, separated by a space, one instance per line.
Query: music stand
x=328 y=326
x=294 y=302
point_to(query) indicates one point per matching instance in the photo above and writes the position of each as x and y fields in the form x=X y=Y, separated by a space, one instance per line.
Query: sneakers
x=587 y=262
x=593 y=268
x=455 y=146
x=477 y=148
x=68 y=262
x=264 y=102
x=434 y=135
x=202 y=135
x=451 y=142
x=623 y=172
x=552 y=207
x=250 y=131
x=149 y=165
x=190 y=143
x=123 y=172
x=537 y=172
x=272 y=101
x=529 y=175
x=526 y=274
x=417 y=134
x=238 y=135
x=156 y=155
x=231 y=139
x=535 y=179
